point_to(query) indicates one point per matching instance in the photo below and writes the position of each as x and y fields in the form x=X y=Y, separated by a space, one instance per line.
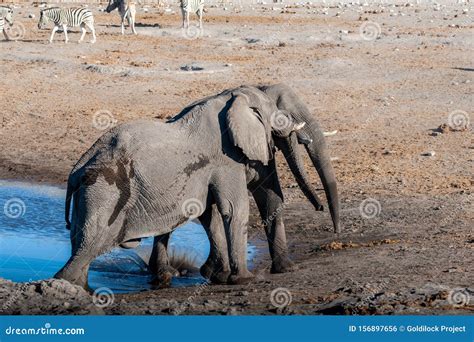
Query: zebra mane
x=50 y=8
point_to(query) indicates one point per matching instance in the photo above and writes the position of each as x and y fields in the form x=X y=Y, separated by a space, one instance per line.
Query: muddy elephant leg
x=216 y=268
x=269 y=199
x=86 y=246
x=159 y=263
x=76 y=270
x=233 y=205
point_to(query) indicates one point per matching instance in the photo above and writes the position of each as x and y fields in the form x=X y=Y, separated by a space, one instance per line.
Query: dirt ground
x=406 y=185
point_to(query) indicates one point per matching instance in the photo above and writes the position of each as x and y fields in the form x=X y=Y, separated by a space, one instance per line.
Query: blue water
x=34 y=243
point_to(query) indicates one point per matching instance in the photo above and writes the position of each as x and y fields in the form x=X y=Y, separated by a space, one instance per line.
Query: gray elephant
x=146 y=177
x=263 y=183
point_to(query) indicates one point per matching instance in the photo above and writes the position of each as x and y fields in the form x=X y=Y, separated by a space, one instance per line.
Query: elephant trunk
x=294 y=158
x=318 y=152
x=311 y=135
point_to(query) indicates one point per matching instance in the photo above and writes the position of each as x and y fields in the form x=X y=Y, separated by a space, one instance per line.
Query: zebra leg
x=200 y=18
x=55 y=28
x=187 y=19
x=123 y=24
x=83 y=30
x=66 y=39
x=132 y=22
x=5 y=34
x=184 y=17
x=91 y=27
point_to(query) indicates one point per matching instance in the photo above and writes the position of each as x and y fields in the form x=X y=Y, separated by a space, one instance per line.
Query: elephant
x=263 y=184
x=147 y=177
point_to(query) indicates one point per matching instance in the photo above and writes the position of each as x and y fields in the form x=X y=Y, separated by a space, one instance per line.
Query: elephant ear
x=247 y=129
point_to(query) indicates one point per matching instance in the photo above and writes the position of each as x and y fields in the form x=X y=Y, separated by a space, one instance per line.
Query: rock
x=211 y=304
x=252 y=40
x=31 y=16
x=428 y=154
x=50 y=296
x=191 y=67
x=230 y=311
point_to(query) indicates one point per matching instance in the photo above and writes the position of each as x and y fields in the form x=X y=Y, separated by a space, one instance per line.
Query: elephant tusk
x=299 y=126
x=328 y=134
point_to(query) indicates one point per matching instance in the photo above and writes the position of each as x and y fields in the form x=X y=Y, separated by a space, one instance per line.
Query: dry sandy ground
x=385 y=96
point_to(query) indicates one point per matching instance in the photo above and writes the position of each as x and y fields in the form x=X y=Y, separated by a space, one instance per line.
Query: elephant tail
x=71 y=189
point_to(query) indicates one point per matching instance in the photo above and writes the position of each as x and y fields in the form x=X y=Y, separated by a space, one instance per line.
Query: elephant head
x=253 y=121
x=312 y=138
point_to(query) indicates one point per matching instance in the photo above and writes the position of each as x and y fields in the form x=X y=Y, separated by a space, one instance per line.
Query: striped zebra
x=126 y=10
x=65 y=17
x=6 y=16
x=194 y=6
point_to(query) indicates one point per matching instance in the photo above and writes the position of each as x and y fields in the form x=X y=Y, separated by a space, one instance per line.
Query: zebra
x=68 y=17
x=126 y=10
x=188 y=6
x=6 y=15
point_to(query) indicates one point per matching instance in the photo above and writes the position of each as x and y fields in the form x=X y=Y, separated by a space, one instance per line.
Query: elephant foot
x=220 y=277
x=282 y=265
x=163 y=277
x=241 y=278
x=214 y=274
x=76 y=278
x=207 y=269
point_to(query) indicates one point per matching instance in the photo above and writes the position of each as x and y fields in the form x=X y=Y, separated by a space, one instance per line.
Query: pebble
x=191 y=67
x=31 y=16
x=428 y=154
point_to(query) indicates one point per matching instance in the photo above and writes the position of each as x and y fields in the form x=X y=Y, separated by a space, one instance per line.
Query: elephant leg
x=230 y=193
x=216 y=268
x=269 y=199
x=159 y=263
x=76 y=269
x=86 y=246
